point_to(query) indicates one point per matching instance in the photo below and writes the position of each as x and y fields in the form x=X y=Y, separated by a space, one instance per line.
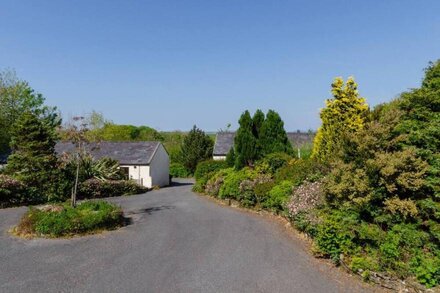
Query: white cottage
x=146 y=162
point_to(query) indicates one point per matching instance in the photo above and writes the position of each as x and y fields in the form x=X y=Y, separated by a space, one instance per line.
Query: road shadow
x=130 y=216
x=152 y=210
x=175 y=184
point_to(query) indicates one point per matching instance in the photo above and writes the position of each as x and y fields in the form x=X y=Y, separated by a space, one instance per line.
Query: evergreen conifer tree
x=273 y=137
x=257 y=122
x=245 y=142
x=33 y=160
x=230 y=158
x=344 y=114
x=197 y=146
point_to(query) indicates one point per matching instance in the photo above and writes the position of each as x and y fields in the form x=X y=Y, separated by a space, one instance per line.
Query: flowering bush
x=249 y=195
x=305 y=197
x=94 y=188
x=215 y=180
x=12 y=192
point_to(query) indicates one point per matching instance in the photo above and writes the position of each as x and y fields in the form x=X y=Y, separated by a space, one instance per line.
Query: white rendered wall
x=140 y=174
x=219 y=158
x=160 y=167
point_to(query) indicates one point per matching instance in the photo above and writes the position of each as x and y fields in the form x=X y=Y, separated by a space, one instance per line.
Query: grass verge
x=55 y=221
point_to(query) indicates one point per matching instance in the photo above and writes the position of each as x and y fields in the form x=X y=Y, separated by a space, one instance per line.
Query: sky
x=173 y=64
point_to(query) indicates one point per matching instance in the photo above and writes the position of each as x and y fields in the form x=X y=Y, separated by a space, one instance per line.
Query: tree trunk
x=75 y=188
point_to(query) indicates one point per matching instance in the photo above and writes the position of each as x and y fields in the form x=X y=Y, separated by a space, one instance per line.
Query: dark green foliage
x=298 y=171
x=335 y=234
x=231 y=184
x=210 y=166
x=303 y=221
x=259 y=136
x=273 y=162
x=102 y=169
x=17 y=97
x=87 y=217
x=383 y=193
x=420 y=123
x=12 y=192
x=278 y=196
x=257 y=122
x=177 y=170
x=94 y=188
x=245 y=142
x=172 y=141
x=272 y=136
x=33 y=160
x=261 y=191
x=230 y=158
x=196 y=147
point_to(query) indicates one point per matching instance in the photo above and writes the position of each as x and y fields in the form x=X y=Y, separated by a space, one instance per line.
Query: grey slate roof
x=224 y=141
x=299 y=139
x=126 y=153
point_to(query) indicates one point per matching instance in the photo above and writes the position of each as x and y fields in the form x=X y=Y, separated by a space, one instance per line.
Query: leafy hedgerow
x=94 y=188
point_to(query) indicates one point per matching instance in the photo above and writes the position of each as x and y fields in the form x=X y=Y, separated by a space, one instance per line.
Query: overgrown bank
x=369 y=196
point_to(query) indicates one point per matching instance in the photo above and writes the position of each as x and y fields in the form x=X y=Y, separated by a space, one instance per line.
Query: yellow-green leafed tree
x=344 y=113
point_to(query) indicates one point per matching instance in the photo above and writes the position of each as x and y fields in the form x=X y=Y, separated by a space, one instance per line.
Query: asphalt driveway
x=178 y=242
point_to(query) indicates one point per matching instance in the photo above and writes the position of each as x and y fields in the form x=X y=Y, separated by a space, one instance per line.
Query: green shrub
x=278 y=196
x=215 y=180
x=64 y=220
x=273 y=162
x=12 y=192
x=300 y=170
x=262 y=189
x=209 y=166
x=364 y=263
x=177 y=170
x=335 y=234
x=94 y=188
x=426 y=268
x=306 y=221
x=231 y=184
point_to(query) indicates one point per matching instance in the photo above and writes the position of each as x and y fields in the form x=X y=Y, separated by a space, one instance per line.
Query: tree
x=17 y=97
x=230 y=158
x=257 y=121
x=420 y=123
x=197 y=146
x=344 y=114
x=96 y=120
x=76 y=132
x=273 y=138
x=33 y=160
x=245 y=142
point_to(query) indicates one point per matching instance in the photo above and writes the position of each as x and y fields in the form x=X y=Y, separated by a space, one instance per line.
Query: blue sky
x=172 y=64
